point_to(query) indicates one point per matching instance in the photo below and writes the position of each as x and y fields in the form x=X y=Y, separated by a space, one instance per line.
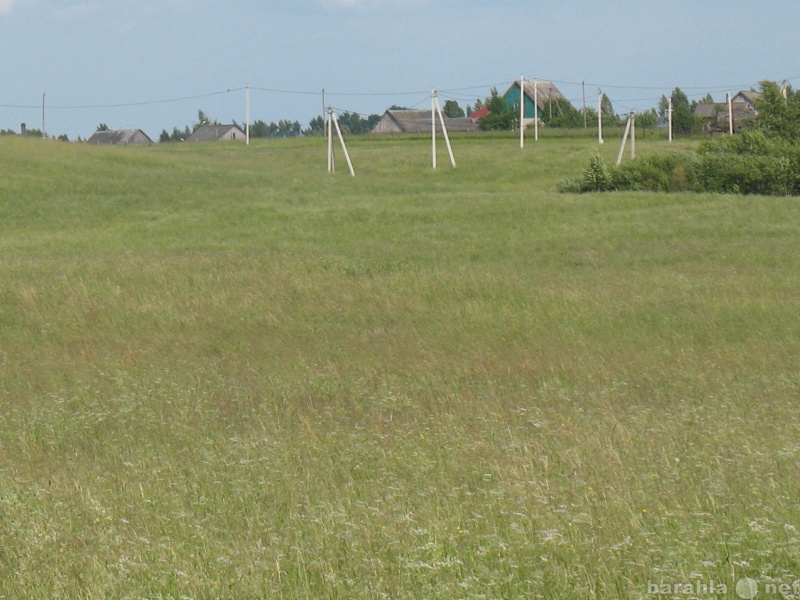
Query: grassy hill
x=226 y=373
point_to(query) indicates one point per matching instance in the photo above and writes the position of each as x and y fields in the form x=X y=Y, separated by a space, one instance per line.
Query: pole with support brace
x=630 y=128
x=436 y=111
x=333 y=122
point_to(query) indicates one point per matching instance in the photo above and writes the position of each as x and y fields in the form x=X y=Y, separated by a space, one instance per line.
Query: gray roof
x=707 y=110
x=119 y=137
x=419 y=121
x=544 y=92
x=750 y=96
x=213 y=133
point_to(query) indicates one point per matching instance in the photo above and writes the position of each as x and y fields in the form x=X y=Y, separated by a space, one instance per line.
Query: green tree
x=355 y=124
x=647 y=119
x=684 y=121
x=316 y=126
x=561 y=113
x=663 y=106
x=102 y=127
x=452 y=109
x=259 y=129
x=610 y=118
x=778 y=112
x=502 y=116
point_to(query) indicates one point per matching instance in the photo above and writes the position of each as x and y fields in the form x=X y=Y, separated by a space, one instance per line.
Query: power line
x=451 y=92
x=126 y=104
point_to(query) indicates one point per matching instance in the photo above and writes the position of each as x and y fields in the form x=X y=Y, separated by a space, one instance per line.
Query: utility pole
x=535 y=110
x=44 y=134
x=329 y=131
x=669 y=118
x=630 y=128
x=341 y=141
x=729 y=100
x=583 y=87
x=522 y=111
x=247 y=115
x=436 y=109
x=433 y=128
x=600 y=116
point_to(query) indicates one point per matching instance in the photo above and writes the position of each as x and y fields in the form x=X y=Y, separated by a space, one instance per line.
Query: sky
x=152 y=64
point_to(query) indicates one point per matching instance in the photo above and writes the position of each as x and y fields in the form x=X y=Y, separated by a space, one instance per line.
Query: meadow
x=226 y=373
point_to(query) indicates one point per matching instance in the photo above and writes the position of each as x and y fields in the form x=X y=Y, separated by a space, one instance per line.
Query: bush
x=762 y=159
x=596 y=177
x=663 y=173
x=741 y=174
x=660 y=173
x=747 y=163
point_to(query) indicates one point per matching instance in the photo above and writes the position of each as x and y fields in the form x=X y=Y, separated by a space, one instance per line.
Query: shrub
x=596 y=177
x=742 y=174
x=761 y=159
x=660 y=173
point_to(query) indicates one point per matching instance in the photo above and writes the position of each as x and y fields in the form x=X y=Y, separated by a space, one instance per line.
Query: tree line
x=557 y=113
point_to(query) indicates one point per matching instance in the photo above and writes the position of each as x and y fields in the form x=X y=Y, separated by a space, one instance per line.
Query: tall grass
x=226 y=373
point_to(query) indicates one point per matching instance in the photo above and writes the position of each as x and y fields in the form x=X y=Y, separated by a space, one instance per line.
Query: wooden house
x=715 y=115
x=548 y=97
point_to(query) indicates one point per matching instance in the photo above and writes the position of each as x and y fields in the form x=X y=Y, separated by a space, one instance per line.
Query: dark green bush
x=763 y=158
x=660 y=173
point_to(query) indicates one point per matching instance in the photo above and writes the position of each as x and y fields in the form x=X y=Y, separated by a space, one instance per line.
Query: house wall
x=233 y=135
x=512 y=99
x=139 y=138
x=386 y=125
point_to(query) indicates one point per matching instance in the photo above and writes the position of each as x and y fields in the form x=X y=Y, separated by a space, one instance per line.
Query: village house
x=545 y=95
x=217 y=133
x=419 y=121
x=119 y=137
x=716 y=117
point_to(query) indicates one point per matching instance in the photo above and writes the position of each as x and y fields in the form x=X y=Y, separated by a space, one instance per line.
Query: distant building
x=419 y=121
x=480 y=113
x=715 y=115
x=119 y=137
x=547 y=96
x=217 y=133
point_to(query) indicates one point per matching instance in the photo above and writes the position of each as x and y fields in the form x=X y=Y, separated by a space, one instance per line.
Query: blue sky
x=153 y=63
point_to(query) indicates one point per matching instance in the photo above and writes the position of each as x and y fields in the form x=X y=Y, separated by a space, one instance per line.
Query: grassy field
x=226 y=373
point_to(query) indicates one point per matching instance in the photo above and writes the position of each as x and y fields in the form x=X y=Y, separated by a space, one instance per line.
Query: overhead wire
x=450 y=93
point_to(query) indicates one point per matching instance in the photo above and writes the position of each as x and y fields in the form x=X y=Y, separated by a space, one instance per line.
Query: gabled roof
x=119 y=137
x=480 y=113
x=544 y=91
x=749 y=96
x=214 y=133
x=419 y=121
x=707 y=110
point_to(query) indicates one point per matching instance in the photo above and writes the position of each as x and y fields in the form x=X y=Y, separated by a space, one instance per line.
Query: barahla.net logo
x=745 y=588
